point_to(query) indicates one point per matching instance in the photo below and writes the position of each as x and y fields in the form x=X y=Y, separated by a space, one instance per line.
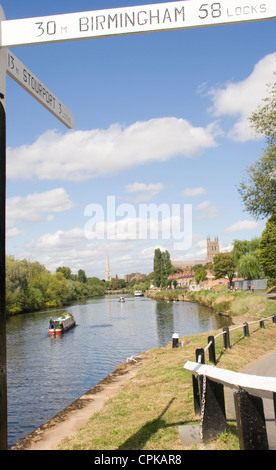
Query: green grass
x=146 y=414
x=235 y=303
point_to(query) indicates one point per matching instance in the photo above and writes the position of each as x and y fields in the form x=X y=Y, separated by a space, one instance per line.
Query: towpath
x=265 y=366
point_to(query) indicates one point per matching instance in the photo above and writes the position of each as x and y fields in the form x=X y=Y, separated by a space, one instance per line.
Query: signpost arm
x=3 y=354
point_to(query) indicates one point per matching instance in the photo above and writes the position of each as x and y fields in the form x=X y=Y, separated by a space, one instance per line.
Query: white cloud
x=226 y=248
x=242 y=225
x=71 y=248
x=192 y=192
x=207 y=211
x=240 y=99
x=62 y=248
x=146 y=192
x=35 y=208
x=14 y=233
x=82 y=155
x=201 y=244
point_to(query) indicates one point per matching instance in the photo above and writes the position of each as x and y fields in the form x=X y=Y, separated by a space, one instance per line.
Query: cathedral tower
x=212 y=249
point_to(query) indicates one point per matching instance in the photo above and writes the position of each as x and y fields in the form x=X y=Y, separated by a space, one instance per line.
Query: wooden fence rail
x=209 y=402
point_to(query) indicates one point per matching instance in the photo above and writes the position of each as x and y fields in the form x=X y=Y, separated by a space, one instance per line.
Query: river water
x=47 y=373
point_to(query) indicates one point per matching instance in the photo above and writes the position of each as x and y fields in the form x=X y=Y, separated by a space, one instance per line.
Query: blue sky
x=161 y=119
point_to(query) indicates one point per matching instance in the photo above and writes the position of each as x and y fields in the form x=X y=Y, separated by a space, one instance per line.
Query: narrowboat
x=61 y=324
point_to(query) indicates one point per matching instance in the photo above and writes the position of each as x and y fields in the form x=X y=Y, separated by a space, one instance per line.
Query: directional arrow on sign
x=22 y=75
x=131 y=20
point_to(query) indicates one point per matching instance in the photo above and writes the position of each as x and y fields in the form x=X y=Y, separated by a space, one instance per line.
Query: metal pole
x=212 y=349
x=246 y=329
x=3 y=360
x=3 y=353
x=226 y=338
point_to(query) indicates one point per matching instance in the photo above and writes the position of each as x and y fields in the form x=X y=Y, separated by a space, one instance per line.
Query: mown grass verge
x=146 y=414
x=234 y=304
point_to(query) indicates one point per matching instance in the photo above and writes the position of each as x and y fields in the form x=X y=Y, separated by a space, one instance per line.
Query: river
x=46 y=373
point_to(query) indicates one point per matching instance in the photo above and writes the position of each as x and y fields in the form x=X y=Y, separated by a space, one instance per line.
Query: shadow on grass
x=139 y=439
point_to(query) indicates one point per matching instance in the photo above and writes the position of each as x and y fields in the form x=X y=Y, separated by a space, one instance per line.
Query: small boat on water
x=138 y=293
x=61 y=324
x=121 y=299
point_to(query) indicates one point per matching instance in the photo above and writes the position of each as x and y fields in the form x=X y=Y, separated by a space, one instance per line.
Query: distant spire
x=107 y=272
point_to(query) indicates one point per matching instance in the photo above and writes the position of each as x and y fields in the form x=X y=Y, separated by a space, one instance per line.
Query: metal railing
x=209 y=397
x=200 y=352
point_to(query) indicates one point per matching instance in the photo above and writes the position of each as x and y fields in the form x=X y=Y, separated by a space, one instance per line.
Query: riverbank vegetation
x=30 y=286
x=234 y=304
x=222 y=301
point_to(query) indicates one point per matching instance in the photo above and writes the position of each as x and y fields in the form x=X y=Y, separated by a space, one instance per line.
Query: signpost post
x=87 y=25
x=11 y=65
x=3 y=360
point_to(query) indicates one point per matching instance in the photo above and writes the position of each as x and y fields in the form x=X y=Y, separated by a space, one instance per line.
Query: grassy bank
x=235 y=303
x=224 y=302
x=146 y=414
x=167 y=295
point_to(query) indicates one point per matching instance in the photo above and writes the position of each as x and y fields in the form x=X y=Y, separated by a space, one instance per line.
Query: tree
x=162 y=267
x=224 y=266
x=258 y=192
x=30 y=287
x=19 y=274
x=117 y=283
x=267 y=252
x=200 y=275
x=65 y=271
x=246 y=257
x=157 y=267
x=243 y=247
x=264 y=119
x=167 y=265
x=82 y=276
x=249 y=266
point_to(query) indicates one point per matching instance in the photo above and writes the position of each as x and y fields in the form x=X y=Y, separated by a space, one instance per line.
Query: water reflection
x=46 y=373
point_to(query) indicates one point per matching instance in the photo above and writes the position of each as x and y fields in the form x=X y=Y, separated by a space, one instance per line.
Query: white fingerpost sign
x=24 y=77
x=136 y=19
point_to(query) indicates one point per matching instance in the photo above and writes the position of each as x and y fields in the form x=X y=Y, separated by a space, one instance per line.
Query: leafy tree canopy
x=267 y=252
x=162 y=267
x=224 y=266
x=258 y=190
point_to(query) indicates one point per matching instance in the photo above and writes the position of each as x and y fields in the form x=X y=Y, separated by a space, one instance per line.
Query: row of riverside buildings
x=186 y=274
